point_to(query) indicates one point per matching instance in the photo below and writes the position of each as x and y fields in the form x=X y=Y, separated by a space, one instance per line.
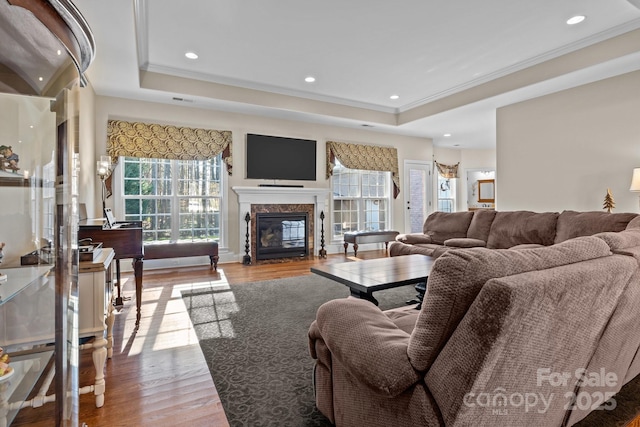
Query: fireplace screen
x=281 y=235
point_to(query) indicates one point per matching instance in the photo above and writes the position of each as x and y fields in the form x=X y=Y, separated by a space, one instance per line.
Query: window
x=176 y=200
x=361 y=200
x=446 y=194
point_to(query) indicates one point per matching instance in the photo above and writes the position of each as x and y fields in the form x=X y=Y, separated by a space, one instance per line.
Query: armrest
x=368 y=344
x=413 y=238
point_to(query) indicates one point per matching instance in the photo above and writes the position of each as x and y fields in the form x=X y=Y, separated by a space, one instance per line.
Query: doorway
x=481 y=188
x=417 y=194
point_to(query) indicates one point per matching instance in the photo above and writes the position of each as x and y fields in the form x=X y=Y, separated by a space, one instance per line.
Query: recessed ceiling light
x=576 y=19
x=191 y=55
x=40 y=78
x=59 y=52
x=447 y=135
x=309 y=79
x=394 y=97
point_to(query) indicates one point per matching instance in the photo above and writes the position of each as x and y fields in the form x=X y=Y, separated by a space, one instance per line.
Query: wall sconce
x=103 y=168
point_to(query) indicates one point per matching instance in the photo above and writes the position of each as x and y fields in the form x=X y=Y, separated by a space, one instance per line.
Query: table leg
x=346 y=246
x=99 y=357
x=119 y=300
x=363 y=295
x=214 y=262
x=110 y=320
x=421 y=288
x=137 y=271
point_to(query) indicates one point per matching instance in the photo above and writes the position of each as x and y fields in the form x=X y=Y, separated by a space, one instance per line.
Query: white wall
x=562 y=151
x=118 y=108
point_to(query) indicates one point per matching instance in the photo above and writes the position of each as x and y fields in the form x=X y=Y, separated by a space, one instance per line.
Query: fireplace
x=255 y=200
x=281 y=235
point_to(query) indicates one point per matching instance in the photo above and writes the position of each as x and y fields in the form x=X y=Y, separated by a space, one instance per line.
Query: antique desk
x=126 y=241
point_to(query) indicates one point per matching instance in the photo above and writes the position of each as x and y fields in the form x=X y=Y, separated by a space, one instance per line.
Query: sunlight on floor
x=207 y=308
x=210 y=305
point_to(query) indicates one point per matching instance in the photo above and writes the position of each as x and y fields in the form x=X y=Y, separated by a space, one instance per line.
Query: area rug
x=254 y=338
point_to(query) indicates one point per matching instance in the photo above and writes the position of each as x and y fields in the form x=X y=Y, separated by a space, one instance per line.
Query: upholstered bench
x=178 y=250
x=360 y=237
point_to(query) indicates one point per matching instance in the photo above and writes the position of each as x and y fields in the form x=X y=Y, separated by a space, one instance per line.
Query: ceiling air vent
x=176 y=98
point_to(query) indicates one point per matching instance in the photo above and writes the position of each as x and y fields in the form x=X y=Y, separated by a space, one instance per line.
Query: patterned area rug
x=254 y=338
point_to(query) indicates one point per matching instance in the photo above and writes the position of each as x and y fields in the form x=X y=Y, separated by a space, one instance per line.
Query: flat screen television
x=274 y=157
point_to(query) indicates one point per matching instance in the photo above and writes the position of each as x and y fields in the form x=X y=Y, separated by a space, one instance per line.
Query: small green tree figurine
x=609 y=204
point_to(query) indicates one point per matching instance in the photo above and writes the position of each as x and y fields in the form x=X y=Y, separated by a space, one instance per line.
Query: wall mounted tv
x=274 y=157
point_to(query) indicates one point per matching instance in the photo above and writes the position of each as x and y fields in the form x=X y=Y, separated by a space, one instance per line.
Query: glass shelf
x=27 y=370
x=20 y=278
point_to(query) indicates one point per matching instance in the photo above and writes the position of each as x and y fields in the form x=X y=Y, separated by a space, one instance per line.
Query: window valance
x=365 y=157
x=447 y=171
x=150 y=140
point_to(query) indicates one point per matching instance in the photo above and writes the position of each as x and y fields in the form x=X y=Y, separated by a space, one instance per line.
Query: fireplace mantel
x=248 y=196
x=280 y=194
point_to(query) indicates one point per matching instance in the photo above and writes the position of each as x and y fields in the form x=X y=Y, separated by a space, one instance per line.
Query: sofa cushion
x=481 y=224
x=465 y=243
x=437 y=252
x=458 y=276
x=399 y=248
x=575 y=224
x=404 y=317
x=441 y=226
x=527 y=246
x=510 y=228
x=622 y=240
x=634 y=223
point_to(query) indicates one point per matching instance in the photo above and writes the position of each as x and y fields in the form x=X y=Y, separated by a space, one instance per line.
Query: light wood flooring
x=158 y=376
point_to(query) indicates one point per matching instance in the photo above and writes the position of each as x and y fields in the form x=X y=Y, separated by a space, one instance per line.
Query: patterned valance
x=148 y=140
x=365 y=157
x=448 y=171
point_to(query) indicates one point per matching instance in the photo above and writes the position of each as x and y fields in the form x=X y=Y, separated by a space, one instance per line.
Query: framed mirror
x=480 y=198
x=486 y=191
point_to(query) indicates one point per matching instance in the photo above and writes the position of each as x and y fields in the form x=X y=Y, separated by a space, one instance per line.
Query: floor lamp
x=635 y=181
x=103 y=167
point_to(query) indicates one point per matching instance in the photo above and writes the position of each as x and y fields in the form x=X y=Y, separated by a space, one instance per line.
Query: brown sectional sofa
x=505 y=229
x=504 y=336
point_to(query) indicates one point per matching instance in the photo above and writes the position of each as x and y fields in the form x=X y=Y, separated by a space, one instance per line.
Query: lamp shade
x=103 y=166
x=635 y=180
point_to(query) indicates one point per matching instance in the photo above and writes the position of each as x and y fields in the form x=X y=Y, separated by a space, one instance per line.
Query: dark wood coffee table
x=367 y=276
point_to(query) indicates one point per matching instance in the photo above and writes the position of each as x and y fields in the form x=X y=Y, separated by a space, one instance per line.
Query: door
x=417 y=194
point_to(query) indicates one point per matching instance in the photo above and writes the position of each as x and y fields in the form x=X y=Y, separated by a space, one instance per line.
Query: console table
x=27 y=306
x=126 y=241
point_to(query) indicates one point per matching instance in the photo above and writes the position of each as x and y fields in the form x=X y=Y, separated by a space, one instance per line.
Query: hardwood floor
x=158 y=375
